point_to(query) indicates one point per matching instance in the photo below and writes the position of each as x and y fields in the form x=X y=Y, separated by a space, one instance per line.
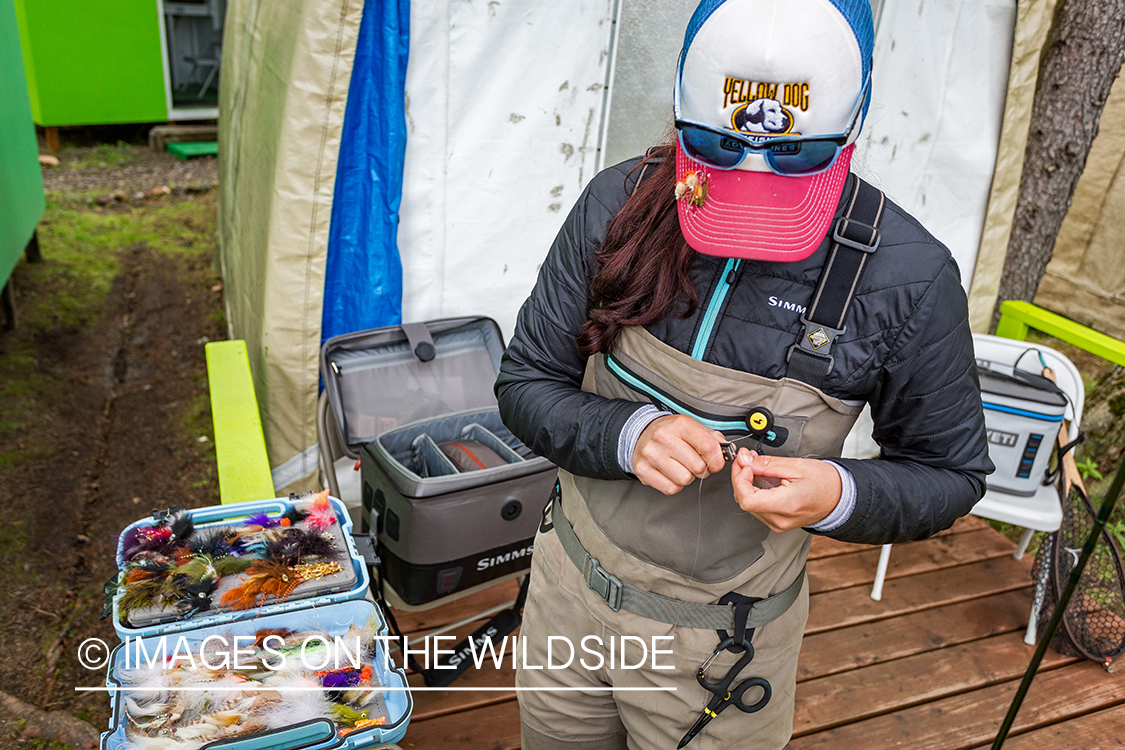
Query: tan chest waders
x=696 y=560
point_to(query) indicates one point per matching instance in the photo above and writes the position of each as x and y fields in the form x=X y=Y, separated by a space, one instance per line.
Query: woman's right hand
x=674 y=451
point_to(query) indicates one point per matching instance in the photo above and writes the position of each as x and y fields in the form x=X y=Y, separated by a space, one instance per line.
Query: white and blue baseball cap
x=770 y=96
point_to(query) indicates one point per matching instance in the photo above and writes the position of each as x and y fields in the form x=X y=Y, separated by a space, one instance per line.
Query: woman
x=735 y=288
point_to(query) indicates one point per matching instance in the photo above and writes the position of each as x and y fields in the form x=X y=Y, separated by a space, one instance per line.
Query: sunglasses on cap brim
x=792 y=156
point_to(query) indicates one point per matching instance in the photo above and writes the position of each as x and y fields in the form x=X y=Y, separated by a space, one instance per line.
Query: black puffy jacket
x=907 y=351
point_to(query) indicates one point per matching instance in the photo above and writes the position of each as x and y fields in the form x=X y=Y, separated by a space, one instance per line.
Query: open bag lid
x=384 y=378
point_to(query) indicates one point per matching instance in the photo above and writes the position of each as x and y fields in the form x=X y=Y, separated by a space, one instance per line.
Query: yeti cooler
x=454 y=498
x=1022 y=416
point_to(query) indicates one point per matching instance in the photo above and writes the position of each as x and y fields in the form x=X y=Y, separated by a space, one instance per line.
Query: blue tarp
x=363 y=277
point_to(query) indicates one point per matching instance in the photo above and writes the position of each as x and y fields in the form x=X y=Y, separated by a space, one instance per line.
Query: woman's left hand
x=808 y=492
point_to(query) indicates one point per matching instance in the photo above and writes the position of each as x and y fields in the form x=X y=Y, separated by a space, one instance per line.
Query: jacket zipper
x=669 y=402
x=713 y=307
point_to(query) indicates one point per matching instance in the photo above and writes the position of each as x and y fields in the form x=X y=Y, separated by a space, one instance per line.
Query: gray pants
x=559 y=604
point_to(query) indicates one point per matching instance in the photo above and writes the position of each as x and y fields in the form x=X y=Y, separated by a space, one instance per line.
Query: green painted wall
x=21 y=182
x=92 y=62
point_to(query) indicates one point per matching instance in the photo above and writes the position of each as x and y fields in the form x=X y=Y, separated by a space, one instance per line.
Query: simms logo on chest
x=775 y=302
x=487 y=562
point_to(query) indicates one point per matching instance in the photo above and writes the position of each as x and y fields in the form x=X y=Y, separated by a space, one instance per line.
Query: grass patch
x=45 y=745
x=104 y=156
x=13 y=550
x=196 y=422
x=83 y=250
x=13 y=459
x=82 y=247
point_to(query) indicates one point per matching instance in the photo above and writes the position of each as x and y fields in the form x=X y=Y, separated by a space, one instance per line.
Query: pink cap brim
x=760 y=215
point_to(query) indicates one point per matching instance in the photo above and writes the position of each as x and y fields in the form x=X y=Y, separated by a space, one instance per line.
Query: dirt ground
x=103 y=405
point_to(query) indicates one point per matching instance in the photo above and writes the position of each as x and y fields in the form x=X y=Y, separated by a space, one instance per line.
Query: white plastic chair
x=1042 y=511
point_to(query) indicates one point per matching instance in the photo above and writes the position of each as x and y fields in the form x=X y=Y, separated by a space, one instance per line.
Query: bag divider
x=485 y=437
x=416 y=446
x=429 y=460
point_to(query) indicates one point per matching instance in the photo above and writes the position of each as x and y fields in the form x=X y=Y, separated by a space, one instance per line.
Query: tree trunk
x=1080 y=60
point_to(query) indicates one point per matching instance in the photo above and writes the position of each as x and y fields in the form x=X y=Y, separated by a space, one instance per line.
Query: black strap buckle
x=816 y=340
x=604 y=584
x=856 y=235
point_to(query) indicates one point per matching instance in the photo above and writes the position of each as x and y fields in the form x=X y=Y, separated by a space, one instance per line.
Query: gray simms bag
x=454 y=497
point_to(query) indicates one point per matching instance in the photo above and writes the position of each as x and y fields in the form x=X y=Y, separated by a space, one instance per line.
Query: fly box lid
x=385 y=378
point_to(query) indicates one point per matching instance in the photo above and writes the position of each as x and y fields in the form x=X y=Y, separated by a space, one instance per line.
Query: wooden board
x=412 y=623
x=823 y=546
x=836 y=609
x=433 y=703
x=971 y=719
x=946 y=551
x=1096 y=731
x=839 y=650
x=862 y=693
x=495 y=727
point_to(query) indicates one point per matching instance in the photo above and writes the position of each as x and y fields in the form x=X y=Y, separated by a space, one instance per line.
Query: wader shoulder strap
x=619 y=595
x=855 y=235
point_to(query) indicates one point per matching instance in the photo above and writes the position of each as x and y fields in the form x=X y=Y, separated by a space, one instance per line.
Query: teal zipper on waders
x=670 y=402
x=713 y=306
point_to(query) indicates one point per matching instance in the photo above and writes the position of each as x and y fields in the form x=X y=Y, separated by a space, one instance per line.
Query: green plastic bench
x=240 y=447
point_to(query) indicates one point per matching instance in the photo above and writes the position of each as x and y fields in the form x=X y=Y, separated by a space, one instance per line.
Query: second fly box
x=312 y=677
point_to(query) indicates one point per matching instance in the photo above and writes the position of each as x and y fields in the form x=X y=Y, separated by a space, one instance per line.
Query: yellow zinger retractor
x=759 y=420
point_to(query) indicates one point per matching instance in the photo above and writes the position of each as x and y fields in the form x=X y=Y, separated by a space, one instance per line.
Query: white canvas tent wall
x=504 y=105
x=506 y=108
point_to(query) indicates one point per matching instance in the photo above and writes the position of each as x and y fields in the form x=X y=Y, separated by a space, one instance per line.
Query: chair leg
x=1040 y=594
x=881 y=572
x=1025 y=540
x=1032 y=627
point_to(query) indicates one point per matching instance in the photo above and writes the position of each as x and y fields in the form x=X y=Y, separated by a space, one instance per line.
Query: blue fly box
x=325 y=681
x=173 y=601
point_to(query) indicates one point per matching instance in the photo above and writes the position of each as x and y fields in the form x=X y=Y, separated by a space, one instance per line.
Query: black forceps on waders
x=722 y=694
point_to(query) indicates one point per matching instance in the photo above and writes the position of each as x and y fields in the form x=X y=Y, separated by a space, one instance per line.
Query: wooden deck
x=933 y=665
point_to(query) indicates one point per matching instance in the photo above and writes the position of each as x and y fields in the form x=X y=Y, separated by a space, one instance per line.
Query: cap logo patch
x=765 y=108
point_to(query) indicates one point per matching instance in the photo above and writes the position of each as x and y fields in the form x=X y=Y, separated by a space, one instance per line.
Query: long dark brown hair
x=644 y=263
